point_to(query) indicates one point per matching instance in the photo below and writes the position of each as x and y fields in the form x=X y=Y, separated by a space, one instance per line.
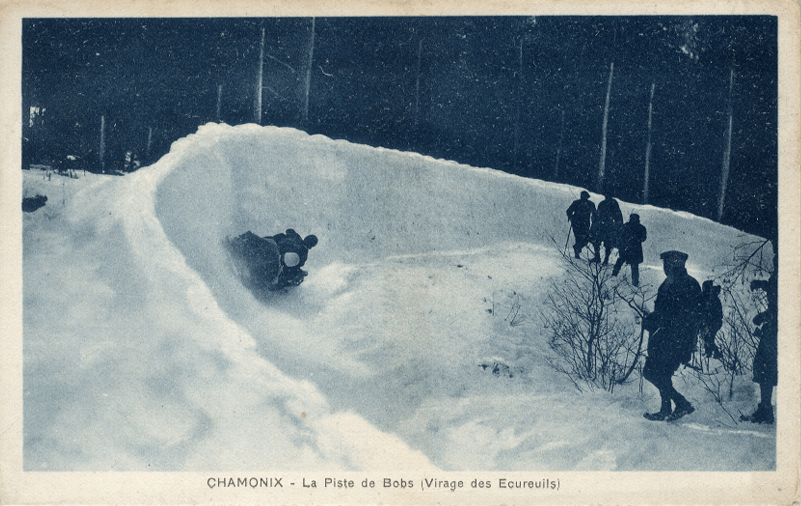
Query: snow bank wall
x=367 y=203
x=137 y=360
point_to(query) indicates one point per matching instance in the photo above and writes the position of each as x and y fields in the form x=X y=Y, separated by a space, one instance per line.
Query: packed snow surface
x=413 y=344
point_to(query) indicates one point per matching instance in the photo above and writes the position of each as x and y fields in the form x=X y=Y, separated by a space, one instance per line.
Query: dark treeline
x=522 y=95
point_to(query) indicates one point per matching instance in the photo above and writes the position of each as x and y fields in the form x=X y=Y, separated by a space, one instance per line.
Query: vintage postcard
x=400 y=253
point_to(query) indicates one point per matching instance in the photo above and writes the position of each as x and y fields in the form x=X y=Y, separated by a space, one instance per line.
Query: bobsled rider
x=294 y=252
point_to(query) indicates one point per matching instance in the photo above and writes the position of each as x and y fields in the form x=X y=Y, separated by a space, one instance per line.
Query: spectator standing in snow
x=673 y=332
x=632 y=235
x=606 y=223
x=712 y=318
x=294 y=252
x=766 y=358
x=579 y=214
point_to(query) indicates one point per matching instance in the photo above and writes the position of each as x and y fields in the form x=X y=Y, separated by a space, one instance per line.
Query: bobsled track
x=146 y=352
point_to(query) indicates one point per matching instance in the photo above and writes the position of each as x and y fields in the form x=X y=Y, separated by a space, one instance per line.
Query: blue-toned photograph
x=400 y=243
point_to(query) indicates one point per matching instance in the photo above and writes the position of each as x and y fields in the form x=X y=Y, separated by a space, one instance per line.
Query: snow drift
x=143 y=350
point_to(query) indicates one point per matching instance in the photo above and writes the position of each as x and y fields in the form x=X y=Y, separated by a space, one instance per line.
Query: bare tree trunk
x=102 y=152
x=149 y=142
x=259 y=81
x=647 y=177
x=602 y=163
x=724 y=175
x=308 y=75
x=219 y=101
x=518 y=104
x=417 y=84
x=559 y=148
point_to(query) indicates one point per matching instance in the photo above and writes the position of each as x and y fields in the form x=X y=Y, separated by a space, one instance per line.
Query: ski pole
x=567 y=240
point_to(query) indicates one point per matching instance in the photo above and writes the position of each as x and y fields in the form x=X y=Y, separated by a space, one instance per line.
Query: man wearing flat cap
x=673 y=330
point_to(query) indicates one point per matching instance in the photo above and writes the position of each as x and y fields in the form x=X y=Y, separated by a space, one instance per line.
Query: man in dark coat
x=632 y=235
x=606 y=224
x=673 y=331
x=766 y=370
x=712 y=321
x=579 y=214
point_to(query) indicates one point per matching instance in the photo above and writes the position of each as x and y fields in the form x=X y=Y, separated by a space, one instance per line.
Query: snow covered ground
x=142 y=350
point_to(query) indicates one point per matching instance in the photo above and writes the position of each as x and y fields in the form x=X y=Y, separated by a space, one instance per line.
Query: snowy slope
x=143 y=351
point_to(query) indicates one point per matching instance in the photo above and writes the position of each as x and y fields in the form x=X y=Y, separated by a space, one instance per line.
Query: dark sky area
x=485 y=91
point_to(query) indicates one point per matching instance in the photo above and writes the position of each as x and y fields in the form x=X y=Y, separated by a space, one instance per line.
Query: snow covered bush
x=590 y=317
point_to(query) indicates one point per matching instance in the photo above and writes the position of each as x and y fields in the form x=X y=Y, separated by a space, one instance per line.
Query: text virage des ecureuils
x=387 y=483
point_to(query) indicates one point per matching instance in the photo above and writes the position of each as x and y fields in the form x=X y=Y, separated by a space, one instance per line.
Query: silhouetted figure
x=606 y=224
x=632 y=235
x=712 y=318
x=267 y=264
x=294 y=252
x=766 y=358
x=579 y=214
x=673 y=331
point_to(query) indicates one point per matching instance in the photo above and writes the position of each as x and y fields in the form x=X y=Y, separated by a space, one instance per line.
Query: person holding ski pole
x=579 y=214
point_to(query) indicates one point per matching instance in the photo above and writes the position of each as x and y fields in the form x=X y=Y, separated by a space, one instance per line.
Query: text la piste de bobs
x=387 y=483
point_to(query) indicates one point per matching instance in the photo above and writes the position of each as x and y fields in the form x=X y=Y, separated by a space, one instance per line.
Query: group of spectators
x=683 y=312
x=604 y=226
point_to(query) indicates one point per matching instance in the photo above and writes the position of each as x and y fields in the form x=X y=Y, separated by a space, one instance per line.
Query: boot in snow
x=680 y=411
x=659 y=416
x=663 y=413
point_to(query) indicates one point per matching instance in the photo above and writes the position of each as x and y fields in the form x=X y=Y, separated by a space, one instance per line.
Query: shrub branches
x=592 y=326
